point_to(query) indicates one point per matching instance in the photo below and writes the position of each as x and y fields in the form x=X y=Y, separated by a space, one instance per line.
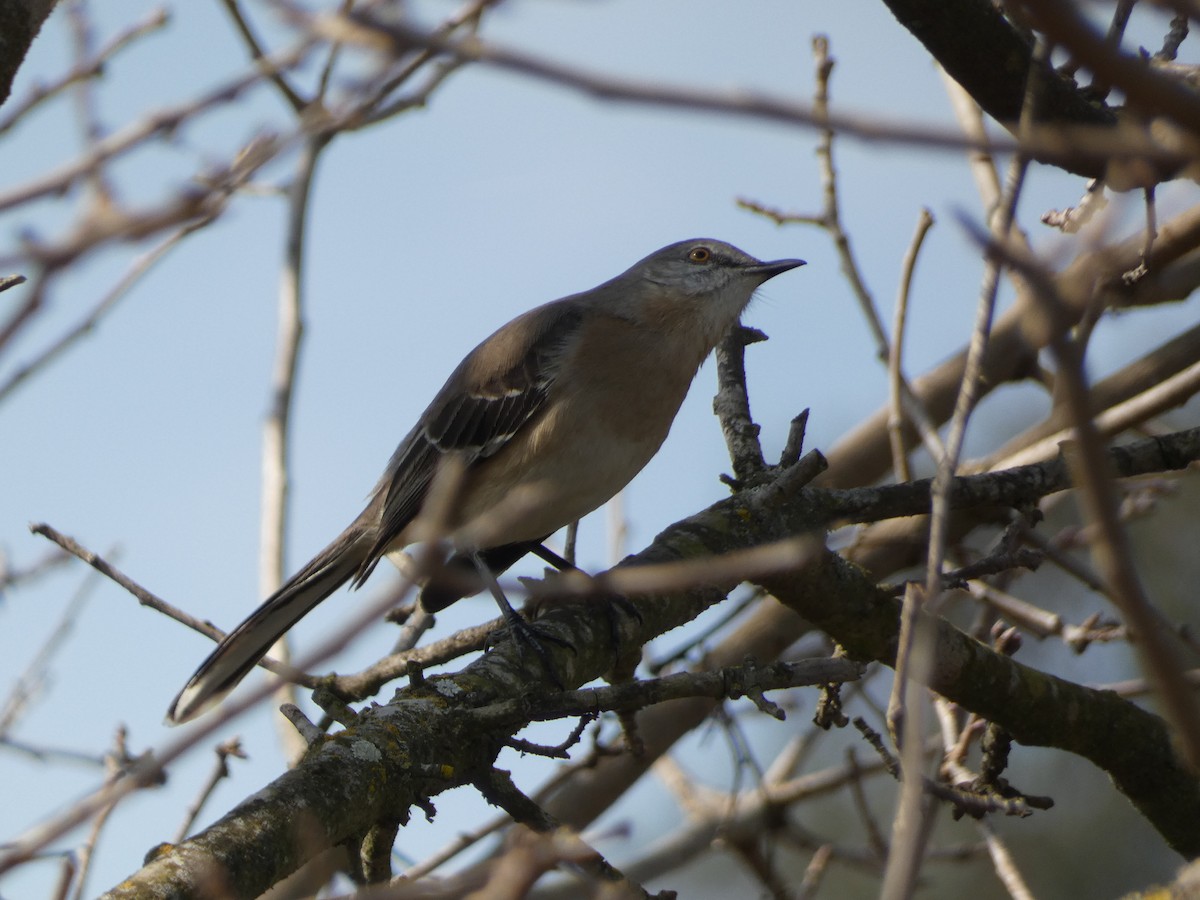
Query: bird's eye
x=700 y=254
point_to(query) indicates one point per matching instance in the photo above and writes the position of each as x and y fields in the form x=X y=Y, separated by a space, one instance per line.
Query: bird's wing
x=499 y=388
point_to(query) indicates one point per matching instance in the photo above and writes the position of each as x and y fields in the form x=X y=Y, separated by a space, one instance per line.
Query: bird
x=551 y=416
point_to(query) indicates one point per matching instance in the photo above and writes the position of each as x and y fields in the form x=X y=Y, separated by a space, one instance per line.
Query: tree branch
x=398 y=755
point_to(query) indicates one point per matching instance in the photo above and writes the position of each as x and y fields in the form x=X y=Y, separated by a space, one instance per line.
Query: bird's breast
x=608 y=413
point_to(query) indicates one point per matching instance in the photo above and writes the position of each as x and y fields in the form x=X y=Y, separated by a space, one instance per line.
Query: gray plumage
x=552 y=415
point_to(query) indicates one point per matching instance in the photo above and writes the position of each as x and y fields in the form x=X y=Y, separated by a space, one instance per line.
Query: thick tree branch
x=1149 y=92
x=20 y=23
x=1133 y=746
x=421 y=743
x=991 y=59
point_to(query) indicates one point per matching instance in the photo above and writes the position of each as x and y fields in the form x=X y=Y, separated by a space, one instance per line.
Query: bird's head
x=709 y=281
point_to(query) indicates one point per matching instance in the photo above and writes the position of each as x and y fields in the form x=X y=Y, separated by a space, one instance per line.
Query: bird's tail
x=243 y=647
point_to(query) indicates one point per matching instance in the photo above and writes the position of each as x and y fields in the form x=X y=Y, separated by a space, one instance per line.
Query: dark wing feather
x=496 y=391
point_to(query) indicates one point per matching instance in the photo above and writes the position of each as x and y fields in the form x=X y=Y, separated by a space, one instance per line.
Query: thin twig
x=273 y=73
x=1004 y=864
x=469 y=838
x=90 y=68
x=731 y=682
x=51 y=754
x=12 y=577
x=160 y=122
x=912 y=663
x=1089 y=462
x=1166 y=395
x=896 y=380
x=471 y=16
x=1110 y=547
x=814 y=872
x=117 y=761
x=981 y=161
x=146 y=598
x=500 y=790
x=137 y=269
x=220 y=772
x=335 y=51
x=830 y=220
x=87 y=115
x=1086 y=142
x=36 y=673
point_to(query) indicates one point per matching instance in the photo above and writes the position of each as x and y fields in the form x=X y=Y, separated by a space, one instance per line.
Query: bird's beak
x=771 y=269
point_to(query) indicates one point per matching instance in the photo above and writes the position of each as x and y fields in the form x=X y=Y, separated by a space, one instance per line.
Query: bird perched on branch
x=551 y=416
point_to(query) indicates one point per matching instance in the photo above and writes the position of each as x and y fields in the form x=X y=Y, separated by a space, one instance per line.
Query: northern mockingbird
x=552 y=416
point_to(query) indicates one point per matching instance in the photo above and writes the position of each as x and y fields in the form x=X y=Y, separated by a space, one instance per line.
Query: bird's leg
x=511 y=617
x=546 y=555
x=524 y=632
